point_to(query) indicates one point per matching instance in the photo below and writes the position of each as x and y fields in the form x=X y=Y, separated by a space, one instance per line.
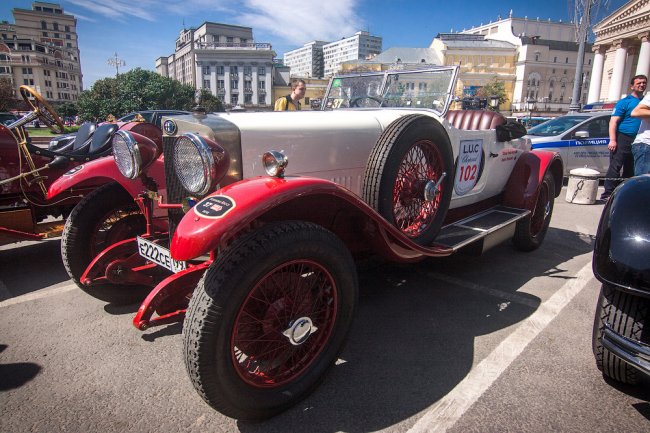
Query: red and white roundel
x=469 y=163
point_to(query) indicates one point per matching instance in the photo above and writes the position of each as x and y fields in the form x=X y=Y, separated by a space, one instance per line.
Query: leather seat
x=475 y=120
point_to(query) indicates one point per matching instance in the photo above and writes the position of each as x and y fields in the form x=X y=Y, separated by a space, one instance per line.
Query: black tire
x=105 y=216
x=531 y=230
x=259 y=291
x=412 y=151
x=626 y=315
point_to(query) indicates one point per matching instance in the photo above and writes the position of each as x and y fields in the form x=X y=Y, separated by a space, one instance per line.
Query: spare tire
x=409 y=176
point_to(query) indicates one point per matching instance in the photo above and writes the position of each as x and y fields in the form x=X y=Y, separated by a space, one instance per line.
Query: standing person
x=291 y=102
x=641 y=144
x=622 y=130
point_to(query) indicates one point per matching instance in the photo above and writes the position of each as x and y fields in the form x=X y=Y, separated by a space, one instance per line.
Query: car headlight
x=274 y=163
x=199 y=163
x=133 y=153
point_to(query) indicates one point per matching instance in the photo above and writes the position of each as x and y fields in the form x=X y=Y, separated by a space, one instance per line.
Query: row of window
x=234 y=85
x=55 y=26
x=220 y=70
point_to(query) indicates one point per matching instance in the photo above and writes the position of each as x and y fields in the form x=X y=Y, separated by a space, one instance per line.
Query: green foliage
x=493 y=88
x=66 y=109
x=211 y=103
x=135 y=90
x=7 y=99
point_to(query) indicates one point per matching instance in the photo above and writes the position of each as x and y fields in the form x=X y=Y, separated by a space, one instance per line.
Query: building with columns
x=621 y=51
x=225 y=60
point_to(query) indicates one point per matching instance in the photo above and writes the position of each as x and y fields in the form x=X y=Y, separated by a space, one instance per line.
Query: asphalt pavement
x=496 y=343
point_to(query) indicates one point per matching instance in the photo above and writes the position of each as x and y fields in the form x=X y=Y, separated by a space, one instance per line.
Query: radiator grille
x=175 y=190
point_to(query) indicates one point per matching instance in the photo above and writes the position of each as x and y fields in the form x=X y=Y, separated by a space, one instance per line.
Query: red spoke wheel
x=530 y=231
x=269 y=318
x=102 y=218
x=409 y=177
x=44 y=110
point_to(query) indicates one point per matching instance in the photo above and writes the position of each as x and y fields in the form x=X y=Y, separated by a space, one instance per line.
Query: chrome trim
x=205 y=153
x=634 y=353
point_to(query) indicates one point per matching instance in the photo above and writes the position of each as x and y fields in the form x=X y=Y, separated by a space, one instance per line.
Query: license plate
x=159 y=255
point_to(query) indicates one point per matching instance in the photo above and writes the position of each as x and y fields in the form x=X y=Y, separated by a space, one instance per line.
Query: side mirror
x=581 y=134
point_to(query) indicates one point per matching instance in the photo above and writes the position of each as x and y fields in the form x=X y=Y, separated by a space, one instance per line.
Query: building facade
x=621 y=50
x=225 y=60
x=544 y=69
x=41 y=50
x=307 y=61
x=358 y=47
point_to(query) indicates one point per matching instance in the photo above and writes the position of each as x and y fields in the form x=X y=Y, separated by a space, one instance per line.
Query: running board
x=490 y=227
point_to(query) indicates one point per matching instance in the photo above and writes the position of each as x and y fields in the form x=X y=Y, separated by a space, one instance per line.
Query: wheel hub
x=299 y=331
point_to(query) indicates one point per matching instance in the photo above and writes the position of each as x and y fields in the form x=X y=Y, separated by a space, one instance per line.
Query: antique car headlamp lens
x=126 y=154
x=274 y=163
x=199 y=163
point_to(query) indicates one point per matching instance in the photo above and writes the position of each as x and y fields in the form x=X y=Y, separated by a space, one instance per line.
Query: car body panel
x=577 y=151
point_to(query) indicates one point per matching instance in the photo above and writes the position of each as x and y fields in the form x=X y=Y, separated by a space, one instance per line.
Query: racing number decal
x=215 y=206
x=469 y=162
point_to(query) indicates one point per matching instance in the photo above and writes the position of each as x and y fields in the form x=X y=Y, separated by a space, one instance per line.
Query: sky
x=140 y=31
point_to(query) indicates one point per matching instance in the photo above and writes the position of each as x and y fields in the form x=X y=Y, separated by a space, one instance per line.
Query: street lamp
x=530 y=104
x=494 y=102
x=116 y=62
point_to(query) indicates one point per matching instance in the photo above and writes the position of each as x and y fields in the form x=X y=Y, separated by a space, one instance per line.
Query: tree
x=134 y=90
x=7 y=98
x=210 y=102
x=67 y=109
x=493 y=88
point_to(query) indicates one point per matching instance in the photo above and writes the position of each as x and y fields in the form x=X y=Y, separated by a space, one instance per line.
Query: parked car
x=151 y=116
x=621 y=262
x=580 y=138
x=531 y=122
x=27 y=173
x=8 y=118
x=257 y=255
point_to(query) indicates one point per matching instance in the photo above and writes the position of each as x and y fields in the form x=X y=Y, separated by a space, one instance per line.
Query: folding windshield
x=556 y=126
x=426 y=89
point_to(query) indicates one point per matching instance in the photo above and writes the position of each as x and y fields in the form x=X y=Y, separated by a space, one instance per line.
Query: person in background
x=291 y=102
x=641 y=144
x=622 y=130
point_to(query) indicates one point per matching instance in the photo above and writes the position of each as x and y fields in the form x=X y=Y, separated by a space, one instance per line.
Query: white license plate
x=159 y=255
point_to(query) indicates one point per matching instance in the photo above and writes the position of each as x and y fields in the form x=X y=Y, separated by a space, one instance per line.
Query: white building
x=225 y=60
x=547 y=54
x=41 y=50
x=307 y=61
x=358 y=47
x=622 y=50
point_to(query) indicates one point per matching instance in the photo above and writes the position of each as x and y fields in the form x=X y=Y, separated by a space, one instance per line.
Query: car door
x=588 y=146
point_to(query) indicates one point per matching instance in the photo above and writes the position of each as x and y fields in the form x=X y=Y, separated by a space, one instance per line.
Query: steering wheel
x=354 y=102
x=44 y=111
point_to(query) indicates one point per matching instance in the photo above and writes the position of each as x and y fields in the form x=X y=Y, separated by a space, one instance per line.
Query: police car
x=580 y=138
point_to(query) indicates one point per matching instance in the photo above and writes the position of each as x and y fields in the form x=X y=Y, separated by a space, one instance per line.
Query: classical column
x=596 y=74
x=616 y=83
x=643 y=65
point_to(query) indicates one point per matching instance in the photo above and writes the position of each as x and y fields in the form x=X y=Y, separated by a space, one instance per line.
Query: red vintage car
x=28 y=210
x=258 y=256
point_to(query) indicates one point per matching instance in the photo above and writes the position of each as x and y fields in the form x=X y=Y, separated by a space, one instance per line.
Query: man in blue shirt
x=622 y=130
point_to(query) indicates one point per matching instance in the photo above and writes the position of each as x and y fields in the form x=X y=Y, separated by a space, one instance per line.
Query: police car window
x=556 y=126
x=597 y=128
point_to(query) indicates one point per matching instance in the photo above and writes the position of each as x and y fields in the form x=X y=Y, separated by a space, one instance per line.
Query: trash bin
x=583 y=186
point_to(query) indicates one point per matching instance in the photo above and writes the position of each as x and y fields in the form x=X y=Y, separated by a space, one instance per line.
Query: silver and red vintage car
x=253 y=237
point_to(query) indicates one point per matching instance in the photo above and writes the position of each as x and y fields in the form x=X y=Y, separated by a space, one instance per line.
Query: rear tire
x=412 y=152
x=102 y=218
x=269 y=318
x=626 y=315
x=531 y=230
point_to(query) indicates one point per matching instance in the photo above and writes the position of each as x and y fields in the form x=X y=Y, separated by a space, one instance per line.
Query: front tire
x=105 y=216
x=411 y=156
x=269 y=318
x=531 y=230
x=626 y=315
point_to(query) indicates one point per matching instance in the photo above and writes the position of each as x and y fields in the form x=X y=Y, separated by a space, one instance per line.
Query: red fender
x=105 y=168
x=219 y=217
x=523 y=185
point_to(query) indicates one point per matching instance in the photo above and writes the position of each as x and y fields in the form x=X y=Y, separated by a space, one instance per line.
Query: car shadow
x=414 y=334
x=15 y=375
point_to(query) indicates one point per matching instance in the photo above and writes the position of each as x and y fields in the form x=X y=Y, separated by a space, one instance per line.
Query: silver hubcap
x=300 y=330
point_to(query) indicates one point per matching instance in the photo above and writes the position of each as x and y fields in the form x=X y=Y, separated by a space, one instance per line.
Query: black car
x=8 y=118
x=621 y=339
x=152 y=116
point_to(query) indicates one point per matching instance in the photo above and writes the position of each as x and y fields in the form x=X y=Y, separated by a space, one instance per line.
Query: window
x=43 y=25
x=206 y=70
x=28 y=81
x=566 y=60
x=234 y=70
x=206 y=84
x=261 y=84
x=247 y=70
x=45 y=34
x=221 y=84
x=220 y=70
x=55 y=26
x=234 y=84
x=555 y=59
x=248 y=98
x=27 y=71
x=261 y=100
x=537 y=57
x=67 y=28
x=261 y=70
x=68 y=37
x=234 y=99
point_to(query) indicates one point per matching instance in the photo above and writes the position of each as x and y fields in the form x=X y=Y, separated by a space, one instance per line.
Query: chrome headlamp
x=199 y=163
x=274 y=163
x=133 y=153
x=126 y=154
